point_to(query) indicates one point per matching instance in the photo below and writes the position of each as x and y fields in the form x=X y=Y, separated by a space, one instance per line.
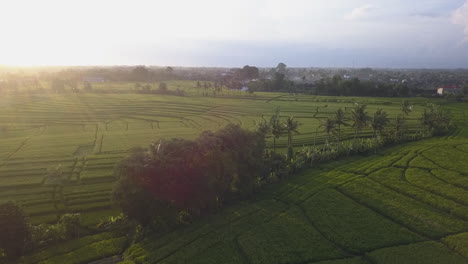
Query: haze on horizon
x=301 y=33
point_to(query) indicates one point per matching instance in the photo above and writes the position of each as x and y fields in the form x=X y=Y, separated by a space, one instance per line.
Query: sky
x=233 y=33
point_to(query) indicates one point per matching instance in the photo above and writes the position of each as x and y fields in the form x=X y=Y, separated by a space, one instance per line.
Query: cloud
x=359 y=12
x=460 y=17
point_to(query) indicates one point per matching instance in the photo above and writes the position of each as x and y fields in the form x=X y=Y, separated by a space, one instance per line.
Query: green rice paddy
x=407 y=204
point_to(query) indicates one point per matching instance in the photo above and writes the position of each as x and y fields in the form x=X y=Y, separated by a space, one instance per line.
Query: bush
x=66 y=247
x=114 y=223
x=276 y=167
x=14 y=231
x=44 y=234
x=70 y=226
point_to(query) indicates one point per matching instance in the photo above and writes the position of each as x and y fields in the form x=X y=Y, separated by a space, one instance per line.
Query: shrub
x=276 y=167
x=70 y=226
x=44 y=234
x=114 y=223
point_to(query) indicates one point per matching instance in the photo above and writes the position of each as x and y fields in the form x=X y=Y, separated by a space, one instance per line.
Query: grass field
x=407 y=204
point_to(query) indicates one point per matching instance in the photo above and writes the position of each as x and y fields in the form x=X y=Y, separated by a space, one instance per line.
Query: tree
x=70 y=226
x=163 y=87
x=340 y=120
x=87 y=87
x=280 y=76
x=13 y=229
x=58 y=86
x=180 y=177
x=329 y=126
x=281 y=68
x=169 y=72
x=399 y=125
x=290 y=127
x=360 y=119
x=276 y=127
x=140 y=74
x=56 y=179
x=436 y=120
x=130 y=195
x=378 y=122
x=406 y=107
x=249 y=73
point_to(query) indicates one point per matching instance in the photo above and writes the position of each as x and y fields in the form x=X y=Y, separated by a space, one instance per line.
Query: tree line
x=332 y=86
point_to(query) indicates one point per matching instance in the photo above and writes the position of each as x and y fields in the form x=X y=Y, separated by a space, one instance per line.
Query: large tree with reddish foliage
x=194 y=177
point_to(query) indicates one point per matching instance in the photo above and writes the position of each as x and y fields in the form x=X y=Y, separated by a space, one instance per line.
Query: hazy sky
x=360 y=33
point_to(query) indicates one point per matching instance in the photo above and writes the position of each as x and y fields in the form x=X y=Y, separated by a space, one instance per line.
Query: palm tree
x=329 y=126
x=339 y=121
x=378 y=122
x=276 y=127
x=309 y=153
x=290 y=126
x=360 y=119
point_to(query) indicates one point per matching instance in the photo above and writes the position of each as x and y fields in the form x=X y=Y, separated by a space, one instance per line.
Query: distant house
x=449 y=90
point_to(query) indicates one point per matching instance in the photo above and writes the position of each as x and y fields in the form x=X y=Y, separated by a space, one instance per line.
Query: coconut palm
x=340 y=120
x=290 y=127
x=378 y=122
x=329 y=126
x=277 y=129
x=360 y=119
x=309 y=153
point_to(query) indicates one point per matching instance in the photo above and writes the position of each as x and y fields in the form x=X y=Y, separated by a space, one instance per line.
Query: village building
x=449 y=90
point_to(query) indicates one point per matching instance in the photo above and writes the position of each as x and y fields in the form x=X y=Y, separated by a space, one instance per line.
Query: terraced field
x=406 y=205
x=87 y=134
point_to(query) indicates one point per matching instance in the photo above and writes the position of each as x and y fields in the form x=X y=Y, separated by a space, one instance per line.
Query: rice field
x=87 y=134
x=407 y=204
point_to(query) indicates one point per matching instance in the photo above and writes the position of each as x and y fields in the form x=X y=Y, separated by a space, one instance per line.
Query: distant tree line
x=334 y=86
x=162 y=89
x=337 y=86
x=278 y=79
